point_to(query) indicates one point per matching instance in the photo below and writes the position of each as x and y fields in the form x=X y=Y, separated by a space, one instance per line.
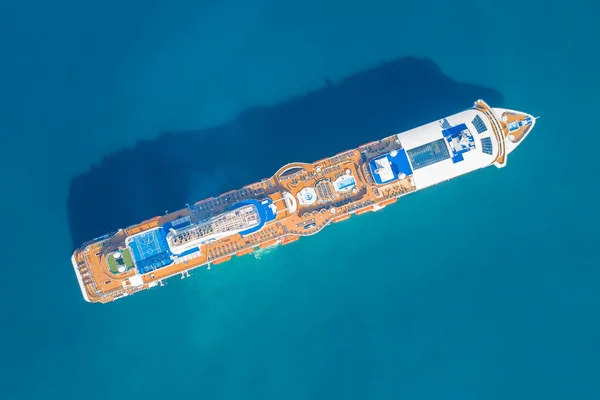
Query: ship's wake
x=260 y=253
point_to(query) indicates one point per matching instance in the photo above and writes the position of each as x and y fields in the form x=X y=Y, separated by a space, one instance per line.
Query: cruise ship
x=300 y=199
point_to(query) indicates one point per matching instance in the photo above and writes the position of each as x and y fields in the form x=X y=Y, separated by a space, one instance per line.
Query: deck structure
x=300 y=199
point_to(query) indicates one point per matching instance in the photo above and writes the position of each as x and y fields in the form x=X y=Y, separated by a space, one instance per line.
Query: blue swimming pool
x=345 y=184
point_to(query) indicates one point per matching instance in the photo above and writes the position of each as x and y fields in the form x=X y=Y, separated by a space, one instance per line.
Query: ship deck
x=102 y=281
x=302 y=199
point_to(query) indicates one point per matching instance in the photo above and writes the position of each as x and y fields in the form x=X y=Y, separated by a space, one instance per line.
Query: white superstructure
x=458 y=144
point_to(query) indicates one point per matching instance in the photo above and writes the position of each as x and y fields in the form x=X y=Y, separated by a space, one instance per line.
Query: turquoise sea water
x=486 y=287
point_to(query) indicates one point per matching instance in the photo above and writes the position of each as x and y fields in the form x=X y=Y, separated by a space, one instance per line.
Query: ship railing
x=496 y=128
x=92 y=281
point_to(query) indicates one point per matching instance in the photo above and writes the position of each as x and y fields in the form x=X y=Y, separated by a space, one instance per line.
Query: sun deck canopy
x=391 y=166
x=244 y=218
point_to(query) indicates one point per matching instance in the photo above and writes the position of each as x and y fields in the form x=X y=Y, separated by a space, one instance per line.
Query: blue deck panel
x=453 y=132
x=270 y=214
x=428 y=154
x=458 y=158
x=450 y=132
x=399 y=165
x=373 y=168
x=150 y=250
